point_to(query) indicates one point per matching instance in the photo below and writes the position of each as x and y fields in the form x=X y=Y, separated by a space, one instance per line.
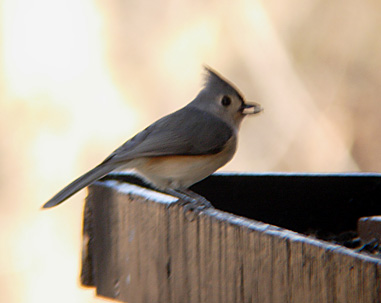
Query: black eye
x=225 y=101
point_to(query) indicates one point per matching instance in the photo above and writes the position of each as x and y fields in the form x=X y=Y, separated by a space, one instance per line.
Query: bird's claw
x=191 y=204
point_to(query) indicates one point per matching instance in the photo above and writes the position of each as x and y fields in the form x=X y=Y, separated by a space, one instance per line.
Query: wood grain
x=146 y=250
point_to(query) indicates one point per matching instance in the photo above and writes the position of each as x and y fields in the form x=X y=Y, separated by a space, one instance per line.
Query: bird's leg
x=200 y=200
x=189 y=199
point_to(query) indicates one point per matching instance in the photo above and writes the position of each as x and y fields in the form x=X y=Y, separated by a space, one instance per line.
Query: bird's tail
x=86 y=179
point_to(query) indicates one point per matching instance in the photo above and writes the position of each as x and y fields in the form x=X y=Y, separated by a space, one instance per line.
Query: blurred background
x=78 y=78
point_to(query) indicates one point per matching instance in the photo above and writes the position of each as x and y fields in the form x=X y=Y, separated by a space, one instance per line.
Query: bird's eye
x=225 y=101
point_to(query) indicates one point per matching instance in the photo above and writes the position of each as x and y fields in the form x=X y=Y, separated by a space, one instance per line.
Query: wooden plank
x=204 y=240
x=192 y=257
x=149 y=264
x=145 y=252
x=311 y=277
x=224 y=287
x=126 y=247
x=329 y=272
x=346 y=285
x=215 y=257
x=254 y=247
x=209 y=247
x=178 y=270
x=265 y=270
x=106 y=236
x=369 y=285
x=376 y=281
x=130 y=251
x=140 y=256
x=232 y=263
x=248 y=269
x=317 y=277
x=87 y=264
x=162 y=253
x=280 y=272
x=298 y=290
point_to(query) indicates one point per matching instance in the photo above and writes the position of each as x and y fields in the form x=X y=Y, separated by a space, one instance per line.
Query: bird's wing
x=188 y=131
x=185 y=132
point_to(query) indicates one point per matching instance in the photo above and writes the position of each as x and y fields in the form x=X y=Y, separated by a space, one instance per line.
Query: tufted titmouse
x=182 y=148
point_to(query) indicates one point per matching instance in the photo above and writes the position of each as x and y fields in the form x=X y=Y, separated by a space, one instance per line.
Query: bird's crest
x=216 y=82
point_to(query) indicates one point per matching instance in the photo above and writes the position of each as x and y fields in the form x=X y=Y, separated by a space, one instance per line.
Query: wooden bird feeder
x=261 y=243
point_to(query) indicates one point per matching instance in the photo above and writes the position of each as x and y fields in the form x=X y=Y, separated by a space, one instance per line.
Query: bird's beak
x=250 y=108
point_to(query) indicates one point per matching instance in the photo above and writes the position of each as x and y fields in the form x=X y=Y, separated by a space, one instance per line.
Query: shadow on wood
x=140 y=248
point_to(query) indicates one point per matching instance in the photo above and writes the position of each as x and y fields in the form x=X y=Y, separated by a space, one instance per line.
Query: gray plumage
x=162 y=138
x=202 y=128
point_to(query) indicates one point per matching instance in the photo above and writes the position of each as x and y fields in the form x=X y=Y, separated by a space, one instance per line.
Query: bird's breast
x=181 y=171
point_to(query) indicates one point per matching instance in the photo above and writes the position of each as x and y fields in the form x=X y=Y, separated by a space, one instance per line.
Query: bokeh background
x=79 y=77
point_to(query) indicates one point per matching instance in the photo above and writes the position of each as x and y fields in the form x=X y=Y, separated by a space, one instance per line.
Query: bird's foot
x=199 y=200
x=190 y=201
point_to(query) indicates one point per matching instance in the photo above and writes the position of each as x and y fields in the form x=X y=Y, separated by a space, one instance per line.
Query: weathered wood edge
x=272 y=230
x=371 y=265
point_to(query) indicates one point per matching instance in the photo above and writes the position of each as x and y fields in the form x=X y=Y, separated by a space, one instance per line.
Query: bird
x=182 y=148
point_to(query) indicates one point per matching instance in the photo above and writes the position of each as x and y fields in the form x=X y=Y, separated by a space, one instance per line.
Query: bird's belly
x=180 y=171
